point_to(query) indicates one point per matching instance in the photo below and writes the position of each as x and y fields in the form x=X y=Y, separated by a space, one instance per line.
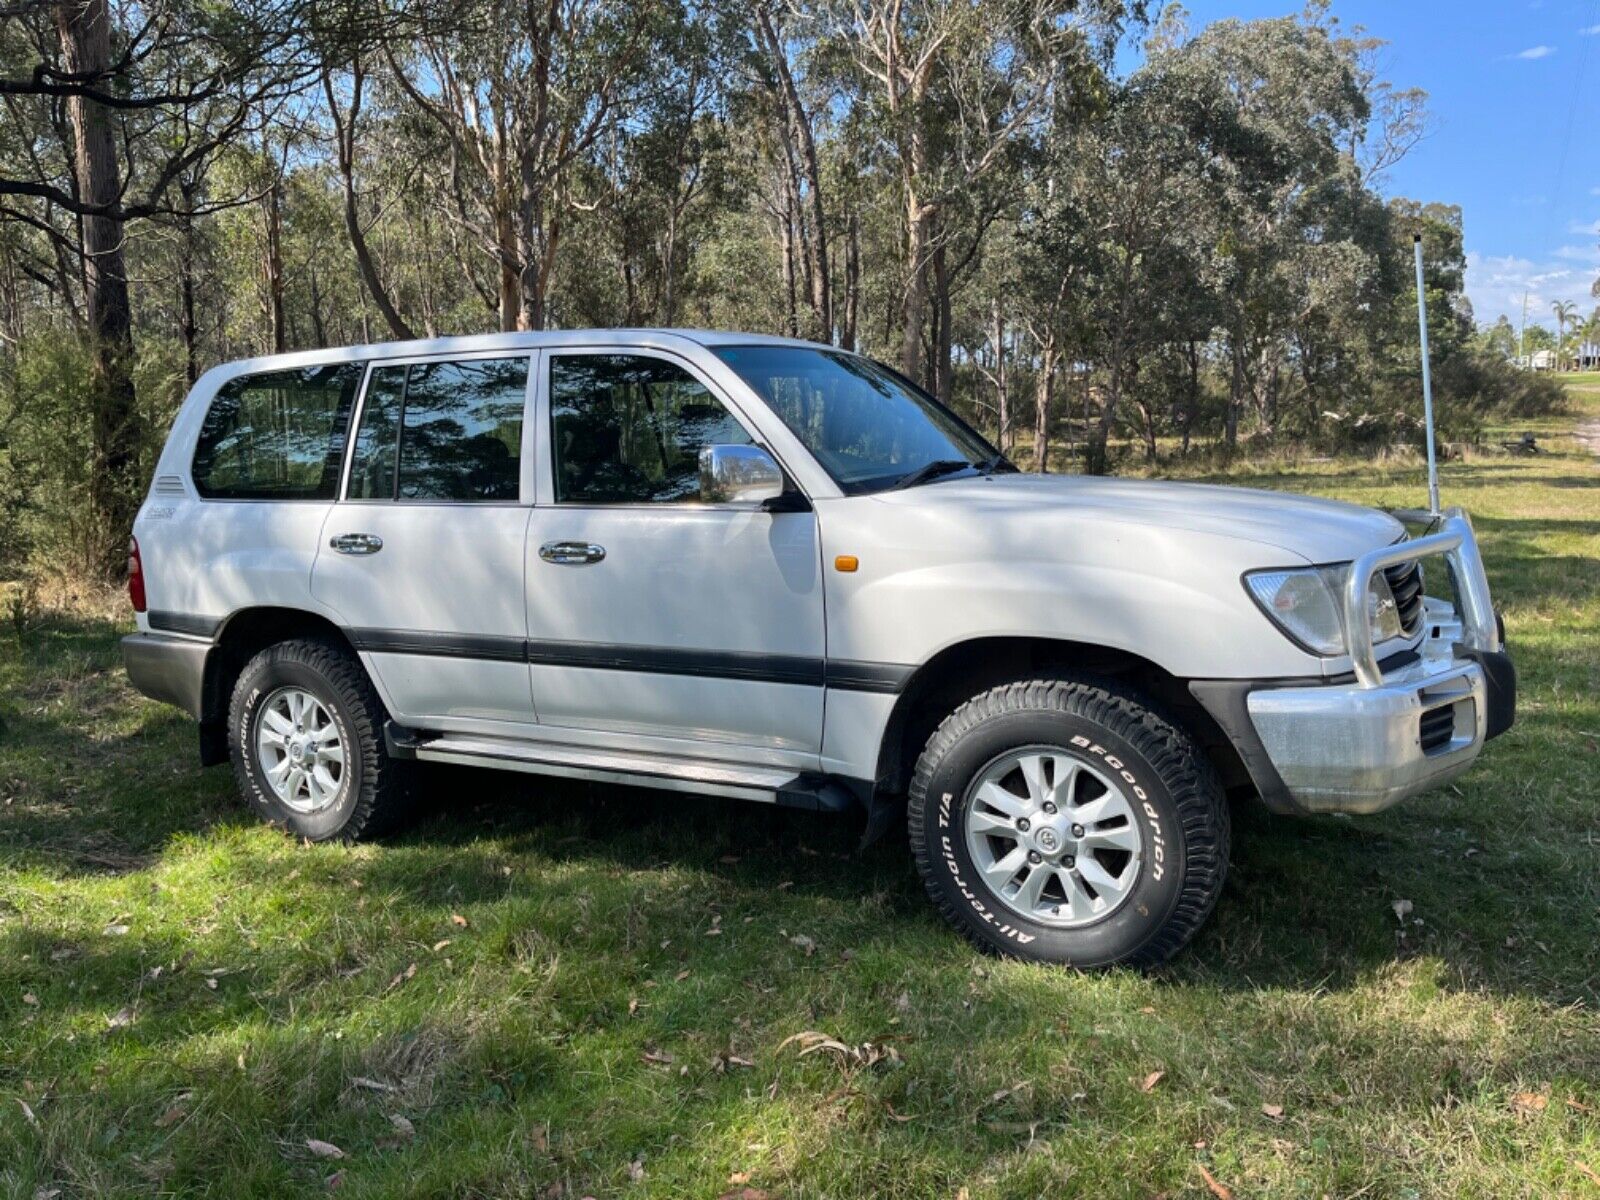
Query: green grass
x=260 y=982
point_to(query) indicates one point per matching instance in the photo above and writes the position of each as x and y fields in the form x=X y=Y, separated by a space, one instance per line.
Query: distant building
x=1588 y=356
x=1540 y=360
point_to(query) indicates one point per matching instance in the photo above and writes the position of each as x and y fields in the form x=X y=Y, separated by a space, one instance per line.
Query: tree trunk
x=1002 y=391
x=510 y=270
x=84 y=27
x=1235 y=393
x=272 y=264
x=914 y=309
x=943 y=369
x=852 y=283
x=344 y=129
x=1044 y=395
x=187 y=328
x=808 y=200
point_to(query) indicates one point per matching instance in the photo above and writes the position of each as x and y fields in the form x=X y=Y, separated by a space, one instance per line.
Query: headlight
x=1307 y=603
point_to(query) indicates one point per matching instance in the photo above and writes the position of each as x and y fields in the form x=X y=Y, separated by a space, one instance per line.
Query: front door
x=652 y=614
x=422 y=555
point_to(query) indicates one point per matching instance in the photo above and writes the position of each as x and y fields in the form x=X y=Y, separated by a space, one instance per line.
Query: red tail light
x=135 y=576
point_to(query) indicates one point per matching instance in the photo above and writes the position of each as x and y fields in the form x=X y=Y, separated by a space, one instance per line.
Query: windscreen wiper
x=998 y=463
x=932 y=470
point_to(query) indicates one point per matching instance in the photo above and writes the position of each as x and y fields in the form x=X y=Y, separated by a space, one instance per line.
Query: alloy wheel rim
x=299 y=750
x=1055 y=839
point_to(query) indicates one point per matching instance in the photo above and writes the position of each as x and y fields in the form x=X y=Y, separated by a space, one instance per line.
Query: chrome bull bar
x=1456 y=542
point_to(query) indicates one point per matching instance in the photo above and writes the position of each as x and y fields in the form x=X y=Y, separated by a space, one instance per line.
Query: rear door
x=422 y=556
x=650 y=613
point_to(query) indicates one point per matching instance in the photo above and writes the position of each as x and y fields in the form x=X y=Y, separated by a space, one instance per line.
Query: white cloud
x=1533 y=52
x=1496 y=284
x=1589 y=31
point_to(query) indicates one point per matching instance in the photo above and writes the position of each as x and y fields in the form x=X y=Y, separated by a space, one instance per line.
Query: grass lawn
x=552 y=990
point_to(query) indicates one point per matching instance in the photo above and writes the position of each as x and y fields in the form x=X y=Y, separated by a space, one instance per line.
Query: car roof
x=521 y=340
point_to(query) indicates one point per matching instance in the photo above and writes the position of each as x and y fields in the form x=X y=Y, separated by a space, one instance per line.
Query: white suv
x=760 y=568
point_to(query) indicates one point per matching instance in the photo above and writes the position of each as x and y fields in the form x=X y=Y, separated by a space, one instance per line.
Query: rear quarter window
x=277 y=435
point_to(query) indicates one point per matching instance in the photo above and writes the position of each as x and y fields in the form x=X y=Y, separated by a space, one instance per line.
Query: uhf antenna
x=1427 y=383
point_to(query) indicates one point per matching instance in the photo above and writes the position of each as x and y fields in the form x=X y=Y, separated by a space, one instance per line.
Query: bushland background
x=1195 y=259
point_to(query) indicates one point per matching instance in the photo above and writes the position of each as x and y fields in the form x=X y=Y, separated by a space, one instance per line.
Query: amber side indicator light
x=846 y=563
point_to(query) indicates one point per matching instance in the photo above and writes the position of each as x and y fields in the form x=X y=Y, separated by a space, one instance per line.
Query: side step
x=766 y=785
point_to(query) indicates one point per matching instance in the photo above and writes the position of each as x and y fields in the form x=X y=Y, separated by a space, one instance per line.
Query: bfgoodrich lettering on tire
x=304 y=732
x=1066 y=822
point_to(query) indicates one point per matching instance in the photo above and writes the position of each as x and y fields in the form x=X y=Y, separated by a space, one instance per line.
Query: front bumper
x=1387 y=731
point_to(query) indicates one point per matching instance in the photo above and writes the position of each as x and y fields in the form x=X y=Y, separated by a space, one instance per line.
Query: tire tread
x=1183 y=769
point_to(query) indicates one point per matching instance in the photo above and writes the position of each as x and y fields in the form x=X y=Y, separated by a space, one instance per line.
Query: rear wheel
x=1067 y=822
x=305 y=735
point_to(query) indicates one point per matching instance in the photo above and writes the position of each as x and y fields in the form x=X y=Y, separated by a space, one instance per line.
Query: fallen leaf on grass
x=1527 y=1103
x=1402 y=910
x=1213 y=1186
x=323 y=1149
x=661 y=1057
x=805 y=943
x=1148 y=1083
x=122 y=1018
x=28 y=1113
x=402 y=1126
x=458 y=920
x=115 y=930
x=1273 y=1111
x=739 y=1177
x=440 y=944
x=865 y=1055
x=372 y=1085
x=409 y=973
x=1587 y=1172
x=175 y=1112
x=30 y=999
x=681 y=976
x=334 y=1182
x=636 y=1170
x=1576 y=1105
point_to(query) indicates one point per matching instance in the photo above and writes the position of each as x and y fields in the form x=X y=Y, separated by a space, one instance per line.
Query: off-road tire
x=1184 y=820
x=377 y=794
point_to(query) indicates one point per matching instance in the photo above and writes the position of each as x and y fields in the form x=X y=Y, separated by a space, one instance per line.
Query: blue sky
x=1514 y=135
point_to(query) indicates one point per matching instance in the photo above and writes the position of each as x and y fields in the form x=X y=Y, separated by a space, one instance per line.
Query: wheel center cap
x=1048 y=841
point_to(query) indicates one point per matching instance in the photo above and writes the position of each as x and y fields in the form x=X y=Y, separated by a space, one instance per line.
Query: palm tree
x=1565 y=310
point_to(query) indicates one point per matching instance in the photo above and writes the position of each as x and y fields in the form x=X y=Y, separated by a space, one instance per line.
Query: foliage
x=1093 y=266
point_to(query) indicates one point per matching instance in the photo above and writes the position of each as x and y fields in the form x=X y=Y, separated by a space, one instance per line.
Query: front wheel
x=1067 y=822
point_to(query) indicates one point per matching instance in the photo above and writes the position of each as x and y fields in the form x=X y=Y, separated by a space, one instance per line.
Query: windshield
x=868 y=427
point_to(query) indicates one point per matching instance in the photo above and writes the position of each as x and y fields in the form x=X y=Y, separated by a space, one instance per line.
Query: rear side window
x=278 y=435
x=442 y=431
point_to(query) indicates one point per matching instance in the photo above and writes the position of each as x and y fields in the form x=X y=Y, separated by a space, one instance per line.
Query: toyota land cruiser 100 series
x=766 y=569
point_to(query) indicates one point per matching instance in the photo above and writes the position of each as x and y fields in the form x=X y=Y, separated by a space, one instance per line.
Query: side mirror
x=739 y=475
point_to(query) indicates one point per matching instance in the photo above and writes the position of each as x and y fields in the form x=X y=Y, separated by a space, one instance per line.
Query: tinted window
x=442 y=431
x=868 y=427
x=278 y=435
x=629 y=429
x=378 y=436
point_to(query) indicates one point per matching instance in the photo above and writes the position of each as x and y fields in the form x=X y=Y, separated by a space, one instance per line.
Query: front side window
x=441 y=431
x=867 y=426
x=278 y=435
x=628 y=429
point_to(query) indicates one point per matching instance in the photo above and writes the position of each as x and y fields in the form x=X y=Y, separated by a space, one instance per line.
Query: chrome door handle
x=571 y=554
x=356 y=543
